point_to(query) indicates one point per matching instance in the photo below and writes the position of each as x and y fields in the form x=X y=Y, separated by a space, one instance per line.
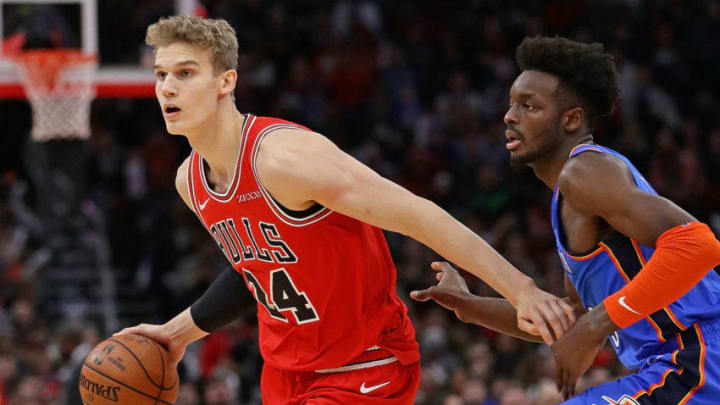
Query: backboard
x=100 y=27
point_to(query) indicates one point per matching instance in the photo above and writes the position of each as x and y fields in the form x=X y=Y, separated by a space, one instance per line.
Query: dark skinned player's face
x=533 y=119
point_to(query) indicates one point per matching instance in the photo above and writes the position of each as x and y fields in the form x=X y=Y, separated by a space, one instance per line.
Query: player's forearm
x=497 y=314
x=221 y=303
x=458 y=244
x=683 y=256
x=183 y=329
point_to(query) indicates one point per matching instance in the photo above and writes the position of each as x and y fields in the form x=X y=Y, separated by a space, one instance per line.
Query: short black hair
x=586 y=72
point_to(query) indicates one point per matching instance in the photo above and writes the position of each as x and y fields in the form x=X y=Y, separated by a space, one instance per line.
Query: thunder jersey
x=324 y=282
x=617 y=260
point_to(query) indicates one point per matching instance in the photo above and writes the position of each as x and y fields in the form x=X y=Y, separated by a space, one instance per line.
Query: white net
x=60 y=86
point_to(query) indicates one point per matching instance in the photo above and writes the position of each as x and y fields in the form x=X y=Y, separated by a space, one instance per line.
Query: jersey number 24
x=285 y=297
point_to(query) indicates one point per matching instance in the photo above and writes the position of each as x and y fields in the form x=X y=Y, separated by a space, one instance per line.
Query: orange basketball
x=128 y=370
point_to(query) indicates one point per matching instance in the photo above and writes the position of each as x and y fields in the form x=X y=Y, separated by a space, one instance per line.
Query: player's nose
x=168 y=87
x=510 y=117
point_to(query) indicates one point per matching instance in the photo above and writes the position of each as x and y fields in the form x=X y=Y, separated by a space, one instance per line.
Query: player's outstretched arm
x=497 y=314
x=452 y=293
x=299 y=168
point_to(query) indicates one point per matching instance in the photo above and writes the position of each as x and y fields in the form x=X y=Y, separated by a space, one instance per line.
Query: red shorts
x=388 y=384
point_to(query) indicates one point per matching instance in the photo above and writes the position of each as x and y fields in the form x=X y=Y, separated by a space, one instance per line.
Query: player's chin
x=173 y=129
x=515 y=157
x=519 y=159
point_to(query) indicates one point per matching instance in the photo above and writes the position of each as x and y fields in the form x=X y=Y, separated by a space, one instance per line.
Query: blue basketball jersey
x=617 y=260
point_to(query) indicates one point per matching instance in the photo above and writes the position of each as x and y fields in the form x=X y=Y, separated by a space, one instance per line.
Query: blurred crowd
x=417 y=90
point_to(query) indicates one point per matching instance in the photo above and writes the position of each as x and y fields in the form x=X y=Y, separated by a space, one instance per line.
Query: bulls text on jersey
x=238 y=249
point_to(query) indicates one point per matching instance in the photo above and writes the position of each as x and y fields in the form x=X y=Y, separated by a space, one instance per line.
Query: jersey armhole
x=299 y=215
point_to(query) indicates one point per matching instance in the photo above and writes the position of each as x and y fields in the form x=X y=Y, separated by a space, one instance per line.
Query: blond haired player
x=299 y=220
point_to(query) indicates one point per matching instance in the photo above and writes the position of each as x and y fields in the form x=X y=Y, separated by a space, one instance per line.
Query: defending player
x=299 y=221
x=637 y=263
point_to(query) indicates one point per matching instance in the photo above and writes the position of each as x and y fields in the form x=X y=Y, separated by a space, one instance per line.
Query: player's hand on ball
x=448 y=292
x=160 y=334
x=128 y=369
x=536 y=309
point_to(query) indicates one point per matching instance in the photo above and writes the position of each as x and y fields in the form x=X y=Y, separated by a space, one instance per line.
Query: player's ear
x=573 y=119
x=229 y=79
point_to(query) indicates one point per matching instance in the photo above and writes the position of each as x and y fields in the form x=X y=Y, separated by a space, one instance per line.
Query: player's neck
x=218 y=140
x=549 y=167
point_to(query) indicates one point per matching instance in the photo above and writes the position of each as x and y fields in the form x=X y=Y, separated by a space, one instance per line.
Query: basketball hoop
x=60 y=86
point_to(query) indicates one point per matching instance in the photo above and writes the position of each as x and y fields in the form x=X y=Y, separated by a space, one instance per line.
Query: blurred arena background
x=94 y=238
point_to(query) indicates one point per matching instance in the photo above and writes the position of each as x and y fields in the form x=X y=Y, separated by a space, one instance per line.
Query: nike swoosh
x=365 y=390
x=202 y=206
x=621 y=301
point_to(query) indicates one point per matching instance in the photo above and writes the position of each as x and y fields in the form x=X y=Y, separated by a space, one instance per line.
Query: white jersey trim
x=359 y=366
x=277 y=210
x=230 y=192
x=191 y=188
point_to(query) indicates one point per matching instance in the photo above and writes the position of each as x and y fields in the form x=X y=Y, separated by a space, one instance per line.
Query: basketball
x=128 y=369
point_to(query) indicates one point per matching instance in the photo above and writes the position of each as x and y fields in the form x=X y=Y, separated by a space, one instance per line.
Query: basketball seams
x=142 y=366
x=162 y=357
x=85 y=364
x=162 y=361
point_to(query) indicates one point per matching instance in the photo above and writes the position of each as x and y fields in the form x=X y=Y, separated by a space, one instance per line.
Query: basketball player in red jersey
x=299 y=221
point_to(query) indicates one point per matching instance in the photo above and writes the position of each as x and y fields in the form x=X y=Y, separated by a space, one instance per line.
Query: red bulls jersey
x=324 y=282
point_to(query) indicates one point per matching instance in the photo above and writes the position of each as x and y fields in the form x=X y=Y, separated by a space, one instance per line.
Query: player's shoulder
x=595 y=182
x=182 y=171
x=284 y=145
x=272 y=127
x=181 y=181
x=590 y=169
x=261 y=123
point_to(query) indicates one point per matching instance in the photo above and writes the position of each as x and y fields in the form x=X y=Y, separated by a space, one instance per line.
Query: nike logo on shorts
x=365 y=390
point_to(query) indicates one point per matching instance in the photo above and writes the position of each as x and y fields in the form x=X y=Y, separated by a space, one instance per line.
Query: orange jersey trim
x=590 y=147
x=701 y=367
x=679 y=371
x=587 y=256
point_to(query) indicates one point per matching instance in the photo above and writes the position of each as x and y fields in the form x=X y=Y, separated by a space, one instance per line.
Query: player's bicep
x=370 y=198
x=308 y=167
x=602 y=186
x=645 y=216
x=181 y=183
